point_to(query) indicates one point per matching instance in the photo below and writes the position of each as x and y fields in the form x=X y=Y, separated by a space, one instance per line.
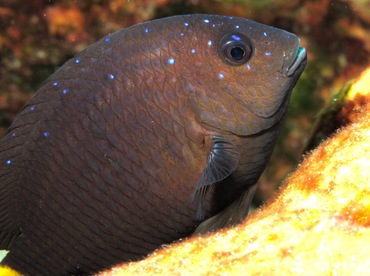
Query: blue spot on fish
x=193 y=51
x=237 y=27
x=32 y=108
x=264 y=33
x=186 y=24
x=213 y=25
x=65 y=91
x=209 y=43
x=8 y=162
x=55 y=83
x=46 y=134
x=111 y=76
x=78 y=61
x=206 y=21
x=182 y=34
x=235 y=37
x=14 y=134
x=107 y=39
x=267 y=54
x=147 y=30
x=171 y=61
x=221 y=75
x=249 y=67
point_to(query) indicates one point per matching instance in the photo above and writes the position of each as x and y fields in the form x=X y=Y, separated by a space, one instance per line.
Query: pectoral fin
x=222 y=161
x=233 y=214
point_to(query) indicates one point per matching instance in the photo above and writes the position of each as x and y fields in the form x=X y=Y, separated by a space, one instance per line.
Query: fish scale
x=153 y=132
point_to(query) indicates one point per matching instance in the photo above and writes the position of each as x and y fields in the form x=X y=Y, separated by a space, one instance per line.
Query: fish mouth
x=299 y=59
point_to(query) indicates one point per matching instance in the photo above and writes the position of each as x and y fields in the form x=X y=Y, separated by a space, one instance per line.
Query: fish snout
x=295 y=61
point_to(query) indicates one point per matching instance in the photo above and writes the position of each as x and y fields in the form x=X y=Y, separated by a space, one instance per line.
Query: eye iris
x=235 y=49
x=237 y=53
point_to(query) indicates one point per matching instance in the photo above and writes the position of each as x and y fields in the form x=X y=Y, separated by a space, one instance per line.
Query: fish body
x=144 y=136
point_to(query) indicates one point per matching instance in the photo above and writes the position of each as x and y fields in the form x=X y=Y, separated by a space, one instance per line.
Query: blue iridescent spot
x=221 y=75
x=186 y=24
x=55 y=83
x=14 y=134
x=171 y=61
x=209 y=43
x=8 y=162
x=148 y=30
x=78 y=61
x=193 y=51
x=107 y=39
x=206 y=21
x=182 y=34
x=264 y=33
x=235 y=37
x=32 y=108
x=213 y=25
x=237 y=27
x=111 y=76
x=46 y=134
x=65 y=91
x=267 y=54
x=249 y=67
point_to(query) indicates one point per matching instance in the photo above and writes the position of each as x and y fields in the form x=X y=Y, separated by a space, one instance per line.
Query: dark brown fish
x=140 y=138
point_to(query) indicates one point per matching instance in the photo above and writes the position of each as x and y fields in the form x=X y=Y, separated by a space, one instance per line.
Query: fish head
x=240 y=73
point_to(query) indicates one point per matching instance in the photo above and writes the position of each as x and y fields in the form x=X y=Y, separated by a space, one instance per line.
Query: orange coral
x=318 y=224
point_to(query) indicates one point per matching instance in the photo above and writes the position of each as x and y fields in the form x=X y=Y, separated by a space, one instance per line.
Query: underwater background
x=36 y=37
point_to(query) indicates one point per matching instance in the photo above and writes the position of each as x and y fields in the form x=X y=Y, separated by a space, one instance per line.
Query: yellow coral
x=7 y=271
x=361 y=86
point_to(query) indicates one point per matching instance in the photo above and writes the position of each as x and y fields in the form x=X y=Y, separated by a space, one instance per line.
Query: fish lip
x=300 y=58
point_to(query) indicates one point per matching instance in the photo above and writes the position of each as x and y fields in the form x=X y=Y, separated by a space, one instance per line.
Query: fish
x=154 y=133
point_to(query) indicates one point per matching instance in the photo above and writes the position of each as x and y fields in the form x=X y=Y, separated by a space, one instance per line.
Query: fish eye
x=235 y=49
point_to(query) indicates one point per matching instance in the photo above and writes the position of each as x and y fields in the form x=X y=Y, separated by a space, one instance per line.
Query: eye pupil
x=237 y=53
